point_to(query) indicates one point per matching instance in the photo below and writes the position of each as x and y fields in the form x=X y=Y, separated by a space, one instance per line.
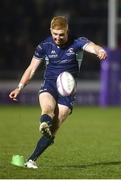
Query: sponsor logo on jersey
x=53 y=54
x=70 y=52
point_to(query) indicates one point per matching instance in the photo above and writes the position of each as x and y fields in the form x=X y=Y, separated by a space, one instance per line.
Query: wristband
x=20 y=86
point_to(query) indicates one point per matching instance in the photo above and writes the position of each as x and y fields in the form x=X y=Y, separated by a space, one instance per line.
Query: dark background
x=24 y=23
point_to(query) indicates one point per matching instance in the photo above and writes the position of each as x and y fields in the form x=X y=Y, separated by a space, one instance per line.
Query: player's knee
x=64 y=111
x=49 y=111
x=63 y=115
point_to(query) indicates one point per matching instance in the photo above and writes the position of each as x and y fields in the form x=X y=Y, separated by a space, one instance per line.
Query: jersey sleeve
x=82 y=42
x=39 y=52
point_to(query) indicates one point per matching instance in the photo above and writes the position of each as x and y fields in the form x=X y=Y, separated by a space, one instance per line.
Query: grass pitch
x=87 y=146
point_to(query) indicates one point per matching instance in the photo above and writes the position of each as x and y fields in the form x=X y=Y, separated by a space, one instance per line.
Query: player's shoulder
x=45 y=43
x=47 y=40
x=78 y=39
x=82 y=38
x=81 y=41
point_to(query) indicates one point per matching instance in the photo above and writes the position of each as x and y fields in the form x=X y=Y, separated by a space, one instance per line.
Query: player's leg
x=61 y=114
x=63 y=109
x=43 y=143
x=47 y=104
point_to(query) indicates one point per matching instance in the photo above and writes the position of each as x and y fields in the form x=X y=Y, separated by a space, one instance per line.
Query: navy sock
x=46 y=118
x=42 y=144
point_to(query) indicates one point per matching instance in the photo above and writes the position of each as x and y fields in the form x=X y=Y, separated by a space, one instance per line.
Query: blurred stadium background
x=25 y=23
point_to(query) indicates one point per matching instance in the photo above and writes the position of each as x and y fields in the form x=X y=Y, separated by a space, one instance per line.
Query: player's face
x=60 y=37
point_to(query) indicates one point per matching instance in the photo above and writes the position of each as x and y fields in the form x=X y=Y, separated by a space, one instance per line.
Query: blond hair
x=59 y=22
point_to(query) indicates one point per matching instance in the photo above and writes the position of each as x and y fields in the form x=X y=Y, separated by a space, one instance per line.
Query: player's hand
x=13 y=95
x=102 y=54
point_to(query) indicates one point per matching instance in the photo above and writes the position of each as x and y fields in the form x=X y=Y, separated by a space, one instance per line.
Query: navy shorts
x=49 y=85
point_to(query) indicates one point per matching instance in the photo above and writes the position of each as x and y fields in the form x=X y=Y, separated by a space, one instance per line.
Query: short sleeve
x=81 y=42
x=39 y=52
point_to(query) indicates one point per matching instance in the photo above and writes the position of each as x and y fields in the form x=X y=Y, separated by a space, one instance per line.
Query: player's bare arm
x=27 y=76
x=96 y=49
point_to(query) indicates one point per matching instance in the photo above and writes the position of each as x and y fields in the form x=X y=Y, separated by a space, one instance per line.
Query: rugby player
x=59 y=52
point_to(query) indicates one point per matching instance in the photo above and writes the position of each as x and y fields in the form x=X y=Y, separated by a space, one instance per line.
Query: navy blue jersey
x=59 y=59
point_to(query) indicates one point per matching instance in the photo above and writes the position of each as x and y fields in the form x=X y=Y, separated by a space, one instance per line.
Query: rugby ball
x=65 y=84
